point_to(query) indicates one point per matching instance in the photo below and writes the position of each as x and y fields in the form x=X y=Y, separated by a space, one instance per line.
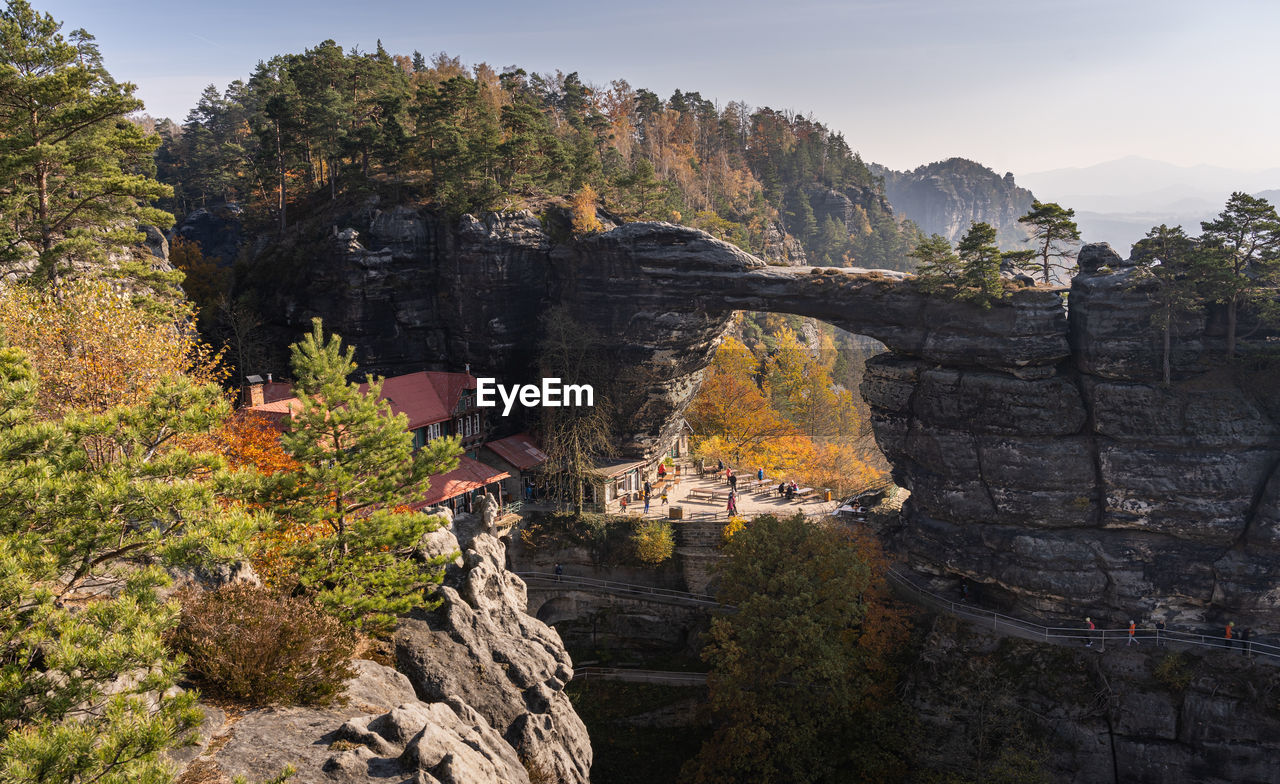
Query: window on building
x=435 y=431
x=420 y=438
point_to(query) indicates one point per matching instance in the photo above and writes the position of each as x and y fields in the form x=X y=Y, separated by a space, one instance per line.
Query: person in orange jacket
x=1133 y=625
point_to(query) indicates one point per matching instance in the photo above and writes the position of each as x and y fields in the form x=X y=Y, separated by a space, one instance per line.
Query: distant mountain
x=1119 y=201
x=1133 y=184
x=947 y=196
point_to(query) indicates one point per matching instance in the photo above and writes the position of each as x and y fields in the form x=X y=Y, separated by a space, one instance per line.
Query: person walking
x=662 y=471
x=1133 y=626
x=646 y=502
x=559 y=570
x=1229 y=633
x=733 y=482
x=664 y=496
x=1160 y=643
x=733 y=504
x=760 y=475
x=1089 y=622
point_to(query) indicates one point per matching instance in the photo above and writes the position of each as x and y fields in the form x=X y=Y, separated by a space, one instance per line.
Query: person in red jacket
x=1133 y=625
x=1089 y=621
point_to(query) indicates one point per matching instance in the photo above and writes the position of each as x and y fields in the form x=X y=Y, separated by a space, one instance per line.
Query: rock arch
x=1043 y=456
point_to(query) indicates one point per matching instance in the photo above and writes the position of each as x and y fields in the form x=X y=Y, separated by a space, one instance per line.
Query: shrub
x=654 y=542
x=735 y=524
x=255 y=644
x=1174 y=672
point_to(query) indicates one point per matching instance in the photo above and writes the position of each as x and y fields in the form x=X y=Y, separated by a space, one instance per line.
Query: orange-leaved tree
x=731 y=406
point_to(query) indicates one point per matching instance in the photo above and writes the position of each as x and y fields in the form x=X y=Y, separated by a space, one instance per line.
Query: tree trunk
x=280 y=165
x=1168 y=328
x=1231 y=327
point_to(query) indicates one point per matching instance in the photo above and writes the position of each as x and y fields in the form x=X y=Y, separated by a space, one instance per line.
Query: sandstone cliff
x=1092 y=489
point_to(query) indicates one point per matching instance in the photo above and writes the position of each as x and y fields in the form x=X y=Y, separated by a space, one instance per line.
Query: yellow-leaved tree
x=95 y=348
x=582 y=206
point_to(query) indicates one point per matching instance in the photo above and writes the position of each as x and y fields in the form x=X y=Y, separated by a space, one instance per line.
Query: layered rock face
x=1088 y=487
x=1112 y=718
x=478 y=698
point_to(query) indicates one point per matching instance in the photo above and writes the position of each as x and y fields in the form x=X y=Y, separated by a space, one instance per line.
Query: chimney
x=253 y=391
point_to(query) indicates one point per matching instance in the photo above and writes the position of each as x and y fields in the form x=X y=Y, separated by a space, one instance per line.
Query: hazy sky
x=1020 y=85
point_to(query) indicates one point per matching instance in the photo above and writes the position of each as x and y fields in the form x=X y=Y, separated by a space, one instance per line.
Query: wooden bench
x=709 y=496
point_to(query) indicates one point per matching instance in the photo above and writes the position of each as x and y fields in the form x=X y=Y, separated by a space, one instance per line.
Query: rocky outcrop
x=781 y=248
x=482 y=649
x=217 y=231
x=383 y=733
x=947 y=196
x=481 y=699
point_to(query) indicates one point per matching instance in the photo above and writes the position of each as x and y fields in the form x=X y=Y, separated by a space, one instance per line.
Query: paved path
x=753 y=499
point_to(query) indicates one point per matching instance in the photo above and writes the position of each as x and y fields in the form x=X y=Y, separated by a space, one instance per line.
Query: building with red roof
x=436 y=404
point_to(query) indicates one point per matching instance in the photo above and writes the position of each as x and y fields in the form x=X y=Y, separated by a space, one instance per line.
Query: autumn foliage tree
x=95 y=347
x=801 y=678
x=784 y=413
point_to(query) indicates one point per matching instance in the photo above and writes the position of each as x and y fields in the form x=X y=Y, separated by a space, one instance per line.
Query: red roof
x=519 y=450
x=276 y=390
x=469 y=475
x=426 y=397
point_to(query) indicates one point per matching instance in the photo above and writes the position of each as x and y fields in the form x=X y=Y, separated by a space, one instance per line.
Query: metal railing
x=626 y=589
x=1031 y=630
x=642 y=676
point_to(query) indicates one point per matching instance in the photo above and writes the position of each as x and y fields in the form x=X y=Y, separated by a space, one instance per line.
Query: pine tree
x=89 y=502
x=980 y=265
x=75 y=174
x=937 y=264
x=1240 y=258
x=1166 y=257
x=1052 y=234
x=357 y=468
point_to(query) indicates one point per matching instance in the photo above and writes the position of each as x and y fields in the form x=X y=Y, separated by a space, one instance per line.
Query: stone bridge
x=1045 y=458
x=590 y=619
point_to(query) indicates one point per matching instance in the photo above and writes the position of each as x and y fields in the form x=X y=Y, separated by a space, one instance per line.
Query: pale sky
x=1018 y=85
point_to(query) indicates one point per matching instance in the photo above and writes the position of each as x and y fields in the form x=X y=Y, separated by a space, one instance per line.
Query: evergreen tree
x=75 y=174
x=980 y=265
x=1052 y=233
x=1240 y=258
x=937 y=264
x=86 y=502
x=1165 y=258
x=357 y=468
